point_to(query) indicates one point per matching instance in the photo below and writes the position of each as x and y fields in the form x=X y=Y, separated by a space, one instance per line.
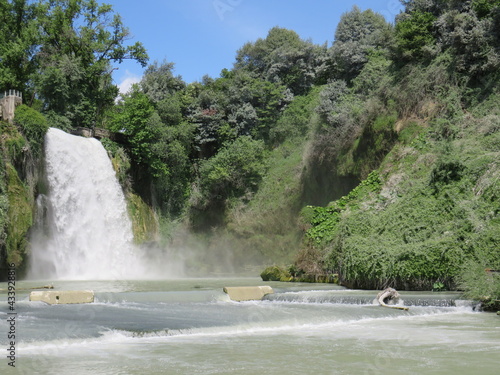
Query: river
x=189 y=326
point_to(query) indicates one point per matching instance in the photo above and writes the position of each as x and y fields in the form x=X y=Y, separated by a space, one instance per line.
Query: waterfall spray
x=88 y=232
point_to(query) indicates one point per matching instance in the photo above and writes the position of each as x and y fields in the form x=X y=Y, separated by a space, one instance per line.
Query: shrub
x=13 y=142
x=414 y=33
x=19 y=218
x=33 y=125
x=330 y=101
x=446 y=172
x=356 y=35
x=295 y=120
x=480 y=284
x=275 y=273
x=235 y=170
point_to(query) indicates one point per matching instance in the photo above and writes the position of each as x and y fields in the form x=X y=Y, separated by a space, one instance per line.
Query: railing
x=100 y=133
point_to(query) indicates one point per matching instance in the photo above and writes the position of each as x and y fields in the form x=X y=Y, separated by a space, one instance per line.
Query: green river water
x=189 y=326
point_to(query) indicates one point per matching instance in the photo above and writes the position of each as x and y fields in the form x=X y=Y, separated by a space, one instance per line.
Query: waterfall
x=86 y=232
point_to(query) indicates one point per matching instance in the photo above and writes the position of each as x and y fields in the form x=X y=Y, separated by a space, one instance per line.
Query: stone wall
x=9 y=100
x=99 y=133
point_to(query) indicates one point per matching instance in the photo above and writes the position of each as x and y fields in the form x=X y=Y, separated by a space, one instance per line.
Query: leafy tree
x=267 y=99
x=414 y=32
x=483 y=8
x=160 y=150
x=356 y=25
x=240 y=105
x=294 y=122
x=357 y=34
x=159 y=82
x=18 y=45
x=132 y=117
x=60 y=85
x=468 y=30
x=283 y=58
x=472 y=41
x=172 y=147
x=80 y=40
x=171 y=109
x=374 y=74
x=208 y=113
x=235 y=170
x=435 y=7
x=331 y=97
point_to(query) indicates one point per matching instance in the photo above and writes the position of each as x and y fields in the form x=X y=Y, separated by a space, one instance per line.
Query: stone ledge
x=63 y=296
x=247 y=293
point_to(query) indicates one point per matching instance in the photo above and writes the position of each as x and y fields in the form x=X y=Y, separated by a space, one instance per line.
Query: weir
x=354 y=297
x=193 y=325
x=85 y=231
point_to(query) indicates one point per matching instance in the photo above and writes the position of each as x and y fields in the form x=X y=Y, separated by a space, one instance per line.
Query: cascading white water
x=89 y=234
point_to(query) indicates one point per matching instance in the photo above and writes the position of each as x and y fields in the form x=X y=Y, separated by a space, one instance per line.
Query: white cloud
x=127 y=82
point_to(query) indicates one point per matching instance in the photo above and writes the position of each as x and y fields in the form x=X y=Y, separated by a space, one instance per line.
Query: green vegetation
x=33 y=126
x=62 y=51
x=19 y=218
x=144 y=221
x=4 y=209
x=325 y=220
x=275 y=273
x=17 y=185
x=482 y=284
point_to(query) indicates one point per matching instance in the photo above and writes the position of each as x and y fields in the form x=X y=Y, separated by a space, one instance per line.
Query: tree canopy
x=61 y=52
x=19 y=44
x=284 y=58
x=357 y=34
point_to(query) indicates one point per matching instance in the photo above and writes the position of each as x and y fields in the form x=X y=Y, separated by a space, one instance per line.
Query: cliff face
x=430 y=210
x=18 y=180
x=21 y=163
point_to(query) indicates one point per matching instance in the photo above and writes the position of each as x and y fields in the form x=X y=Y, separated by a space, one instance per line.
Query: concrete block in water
x=61 y=297
x=248 y=293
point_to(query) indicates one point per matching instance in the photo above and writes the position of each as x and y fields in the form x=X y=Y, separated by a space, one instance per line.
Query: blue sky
x=202 y=36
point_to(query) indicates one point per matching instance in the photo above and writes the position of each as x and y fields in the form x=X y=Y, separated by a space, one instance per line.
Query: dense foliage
x=60 y=54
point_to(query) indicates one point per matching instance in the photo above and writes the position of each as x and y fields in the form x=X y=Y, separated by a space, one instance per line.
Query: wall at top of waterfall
x=86 y=232
x=9 y=100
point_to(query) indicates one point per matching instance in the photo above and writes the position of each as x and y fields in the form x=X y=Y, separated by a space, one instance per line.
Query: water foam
x=88 y=234
x=292 y=326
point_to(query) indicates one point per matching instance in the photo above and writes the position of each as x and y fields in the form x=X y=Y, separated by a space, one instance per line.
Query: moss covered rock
x=275 y=273
x=144 y=221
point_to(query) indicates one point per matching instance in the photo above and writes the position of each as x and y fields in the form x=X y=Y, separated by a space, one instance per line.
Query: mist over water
x=84 y=231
